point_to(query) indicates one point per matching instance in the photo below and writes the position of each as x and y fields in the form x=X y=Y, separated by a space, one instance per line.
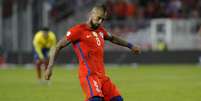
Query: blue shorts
x=45 y=52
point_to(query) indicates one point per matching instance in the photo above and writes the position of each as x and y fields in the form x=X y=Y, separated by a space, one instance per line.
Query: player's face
x=97 y=18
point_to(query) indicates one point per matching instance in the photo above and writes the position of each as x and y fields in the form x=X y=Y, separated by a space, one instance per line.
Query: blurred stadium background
x=168 y=31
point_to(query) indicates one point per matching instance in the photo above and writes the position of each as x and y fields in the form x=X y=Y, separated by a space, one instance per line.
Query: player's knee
x=96 y=98
x=38 y=62
x=117 y=98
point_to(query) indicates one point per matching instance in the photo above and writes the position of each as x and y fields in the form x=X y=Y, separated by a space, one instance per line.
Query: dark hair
x=45 y=29
x=102 y=7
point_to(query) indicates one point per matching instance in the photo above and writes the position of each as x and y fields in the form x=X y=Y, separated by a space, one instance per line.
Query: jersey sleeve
x=106 y=34
x=37 y=45
x=73 y=34
x=53 y=39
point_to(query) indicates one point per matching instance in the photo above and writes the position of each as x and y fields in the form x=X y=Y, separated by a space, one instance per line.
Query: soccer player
x=88 y=43
x=43 y=41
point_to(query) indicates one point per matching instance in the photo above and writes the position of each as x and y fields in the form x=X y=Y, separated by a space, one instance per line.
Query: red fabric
x=131 y=9
x=2 y=61
x=88 y=45
x=89 y=48
x=120 y=8
x=98 y=86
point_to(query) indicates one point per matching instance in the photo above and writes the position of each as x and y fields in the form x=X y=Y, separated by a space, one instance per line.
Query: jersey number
x=96 y=86
x=97 y=39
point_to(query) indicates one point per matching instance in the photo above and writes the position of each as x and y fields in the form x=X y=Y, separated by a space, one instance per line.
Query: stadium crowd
x=147 y=9
x=123 y=12
x=119 y=9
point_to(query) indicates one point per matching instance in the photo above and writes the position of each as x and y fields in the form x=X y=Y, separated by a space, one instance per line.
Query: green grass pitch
x=145 y=83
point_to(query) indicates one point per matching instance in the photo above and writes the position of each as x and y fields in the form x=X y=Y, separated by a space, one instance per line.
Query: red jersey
x=88 y=45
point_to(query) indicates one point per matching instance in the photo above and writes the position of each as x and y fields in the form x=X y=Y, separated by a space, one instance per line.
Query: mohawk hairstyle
x=100 y=7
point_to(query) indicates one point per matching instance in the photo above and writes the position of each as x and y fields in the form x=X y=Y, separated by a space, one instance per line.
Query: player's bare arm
x=54 y=52
x=116 y=40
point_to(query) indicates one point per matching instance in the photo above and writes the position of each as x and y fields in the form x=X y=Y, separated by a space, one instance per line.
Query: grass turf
x=145 y=83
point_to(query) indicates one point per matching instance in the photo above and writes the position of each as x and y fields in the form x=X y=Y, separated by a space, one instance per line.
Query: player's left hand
x=135 y=50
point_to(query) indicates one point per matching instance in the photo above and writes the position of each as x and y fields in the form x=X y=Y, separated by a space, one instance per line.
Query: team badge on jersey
x=68 y=33
x=101 y=34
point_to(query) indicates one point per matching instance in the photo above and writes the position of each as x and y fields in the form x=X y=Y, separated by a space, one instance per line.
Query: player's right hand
x=136 y=50
x=48 y=74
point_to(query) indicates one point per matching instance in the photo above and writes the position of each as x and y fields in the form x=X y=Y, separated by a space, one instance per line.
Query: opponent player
x=43 y=41
x=88 y=43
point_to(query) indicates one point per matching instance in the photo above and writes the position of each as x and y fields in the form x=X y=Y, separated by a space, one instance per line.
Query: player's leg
x=116 y=98
x=38 y=64
x=46 y=56
x=91 y=87
x=96 y=98
x=46 y=61
x=110 y=91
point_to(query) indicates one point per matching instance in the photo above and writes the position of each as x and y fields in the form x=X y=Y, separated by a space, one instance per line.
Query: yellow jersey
x=40 y=42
